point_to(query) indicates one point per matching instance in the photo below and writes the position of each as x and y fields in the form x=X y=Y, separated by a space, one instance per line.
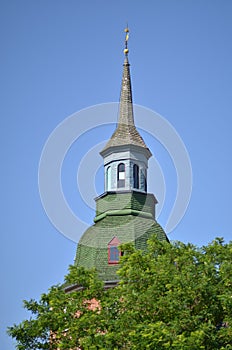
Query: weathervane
x=126 y=30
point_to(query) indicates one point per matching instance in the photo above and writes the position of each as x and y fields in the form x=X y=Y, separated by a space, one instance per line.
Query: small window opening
x=121 y=175
x=145 y=180
x=136 y=176
x=113 y=251
x=108 y=179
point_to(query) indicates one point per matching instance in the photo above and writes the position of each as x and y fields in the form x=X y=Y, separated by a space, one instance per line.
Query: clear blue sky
x=58 y=57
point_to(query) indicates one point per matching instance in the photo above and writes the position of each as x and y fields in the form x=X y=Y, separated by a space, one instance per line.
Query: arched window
x=121 y=175
x=108 y=178
x=135 y=176
x=113 y=251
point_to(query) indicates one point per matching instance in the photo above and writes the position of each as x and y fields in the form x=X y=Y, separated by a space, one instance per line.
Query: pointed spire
x=126 y=115
x=126 y=132
x=126 y=107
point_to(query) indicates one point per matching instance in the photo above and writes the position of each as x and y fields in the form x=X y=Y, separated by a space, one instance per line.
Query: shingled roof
x=136 y=228
x=126 y=132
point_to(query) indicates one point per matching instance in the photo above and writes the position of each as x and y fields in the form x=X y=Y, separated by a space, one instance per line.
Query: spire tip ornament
x=126 y=51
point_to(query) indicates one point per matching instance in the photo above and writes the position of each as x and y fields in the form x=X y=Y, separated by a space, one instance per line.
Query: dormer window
x=121 y=175
x=113 y=251
x=136 y=176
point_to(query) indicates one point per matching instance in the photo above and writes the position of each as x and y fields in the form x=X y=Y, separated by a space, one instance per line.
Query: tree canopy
x=174 y=296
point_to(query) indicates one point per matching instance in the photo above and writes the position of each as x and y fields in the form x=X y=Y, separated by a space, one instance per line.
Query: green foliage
x=174 y=296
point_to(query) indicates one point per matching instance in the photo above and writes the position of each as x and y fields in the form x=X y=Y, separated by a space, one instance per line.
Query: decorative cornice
x=123 y=212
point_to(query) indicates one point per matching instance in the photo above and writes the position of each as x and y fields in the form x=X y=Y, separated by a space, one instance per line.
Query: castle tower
x=125 y=212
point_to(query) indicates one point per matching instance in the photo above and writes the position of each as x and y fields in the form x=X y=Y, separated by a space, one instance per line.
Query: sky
x=60 y=57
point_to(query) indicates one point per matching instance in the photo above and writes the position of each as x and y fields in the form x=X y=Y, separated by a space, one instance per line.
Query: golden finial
x=126 y=30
